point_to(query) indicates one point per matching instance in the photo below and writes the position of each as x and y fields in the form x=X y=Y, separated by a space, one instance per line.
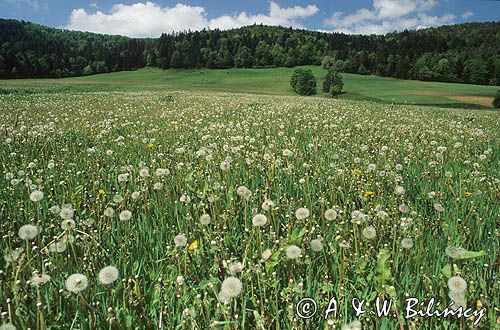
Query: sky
x=151 y=18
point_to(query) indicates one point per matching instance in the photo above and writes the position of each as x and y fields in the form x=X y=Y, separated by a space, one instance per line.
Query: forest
x=464 y=53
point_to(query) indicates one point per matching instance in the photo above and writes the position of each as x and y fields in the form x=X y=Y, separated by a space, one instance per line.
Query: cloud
x=387 y=16
x=139 y=19
x=467 y=14
x=31 y=3
x=93 y=5
x=151 y=20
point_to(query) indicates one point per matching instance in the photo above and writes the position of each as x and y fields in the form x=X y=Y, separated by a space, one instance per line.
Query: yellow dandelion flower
x=357 y=171
x=468 y=193
x=101 y=192
x=369 y=193
x=150 y=145
x=479 y=304
x=193 y=246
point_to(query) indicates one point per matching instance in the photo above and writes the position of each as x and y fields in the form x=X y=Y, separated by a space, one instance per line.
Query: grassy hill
x=273 y=81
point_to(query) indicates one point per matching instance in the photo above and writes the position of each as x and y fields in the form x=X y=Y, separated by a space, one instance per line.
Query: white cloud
x=467 y=14
x=387 y=16
x=31 y=3
x=139 y=19
x=93 y=5
x=150 y=20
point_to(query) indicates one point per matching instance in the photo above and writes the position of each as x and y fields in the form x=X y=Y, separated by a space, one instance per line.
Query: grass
x=399 y=200
x=273 y=81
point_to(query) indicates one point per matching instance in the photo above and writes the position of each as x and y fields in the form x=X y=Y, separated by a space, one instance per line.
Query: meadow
x=271 y=81
x=196 y=210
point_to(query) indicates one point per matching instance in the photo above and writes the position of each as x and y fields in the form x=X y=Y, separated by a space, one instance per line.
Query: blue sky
x=150 y=18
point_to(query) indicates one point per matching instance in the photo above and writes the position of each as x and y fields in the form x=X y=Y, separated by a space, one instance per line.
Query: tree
x=243 y=58
x=176 y=60
x=496 y=101
x=332 y=83
x=328 y=61
x=303 y=82
x=263 y=56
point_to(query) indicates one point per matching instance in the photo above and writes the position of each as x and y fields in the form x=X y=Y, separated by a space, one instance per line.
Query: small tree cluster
x=303 y=82
x=332 y=82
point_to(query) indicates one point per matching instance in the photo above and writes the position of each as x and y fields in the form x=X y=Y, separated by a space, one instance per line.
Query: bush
x=496 y=101
x=332 y=82
x=303 y=82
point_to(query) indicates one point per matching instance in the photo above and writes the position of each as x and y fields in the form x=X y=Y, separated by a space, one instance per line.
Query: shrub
x=496 y=101
x=303 y=82
x=332 y=82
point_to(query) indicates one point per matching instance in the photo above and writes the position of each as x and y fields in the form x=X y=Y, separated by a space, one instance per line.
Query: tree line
x=465 y=53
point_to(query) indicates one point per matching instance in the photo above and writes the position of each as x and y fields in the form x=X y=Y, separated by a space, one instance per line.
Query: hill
x=273 y=81
x=466 y=53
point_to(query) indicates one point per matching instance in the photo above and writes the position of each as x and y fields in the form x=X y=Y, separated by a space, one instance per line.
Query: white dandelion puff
x=36 y=196
x=76 y=282
x=125 y=215
x=108 y=275
x=27 y=232
x=330 y=214
x=259 y=220
x=302 y=213
x=293 y=252
x=180 y=240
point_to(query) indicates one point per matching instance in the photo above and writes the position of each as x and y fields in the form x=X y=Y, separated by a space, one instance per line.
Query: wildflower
x=369 y=193
x=68 y=224
x=458 y=298
x=39 y=280
x=244 y=192
x=370 y=232
x=407 y=243
x=316 y=245
x=27 y=232
x=185 y=199
x=76 y=282
x=330 y=214
x=354 y=325
x=230 y=288
x=225 y=165
x=117 y=198
x=58 y=247
x=266 y=254
x=293 y=252
x=180 y=280
x=302 y=213
x=125 y=215
x=108 y=275
x=101 y=192
x=109 y=212
x=66 y=212
x=123 y=177
x=456 y=283
x=135 y=195
x=259 y=220
x=468 y=193
x=438 y=207
x=205 y=219
x=193 y=246
x=149 y=145
x=287 y=153
x=13 y=255
x=235 y=267
x=36 y=196
x=158 y=186
x=358 y=217
x=267 y=205
x=180 y=240
x=399 y=190
x=7 y=326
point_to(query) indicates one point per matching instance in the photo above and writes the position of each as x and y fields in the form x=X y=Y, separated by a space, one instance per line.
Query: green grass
x=146 y=152
x=274 y=81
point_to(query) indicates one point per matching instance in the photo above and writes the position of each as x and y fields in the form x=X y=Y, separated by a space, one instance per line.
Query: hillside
x=273 y=81
x=466 y=53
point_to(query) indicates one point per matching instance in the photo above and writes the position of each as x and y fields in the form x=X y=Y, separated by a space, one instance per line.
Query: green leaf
x=446 y=271
x=471 y=254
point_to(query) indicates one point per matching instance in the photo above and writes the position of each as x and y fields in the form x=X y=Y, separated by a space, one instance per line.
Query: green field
x=161 y=209
x=274 y=81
